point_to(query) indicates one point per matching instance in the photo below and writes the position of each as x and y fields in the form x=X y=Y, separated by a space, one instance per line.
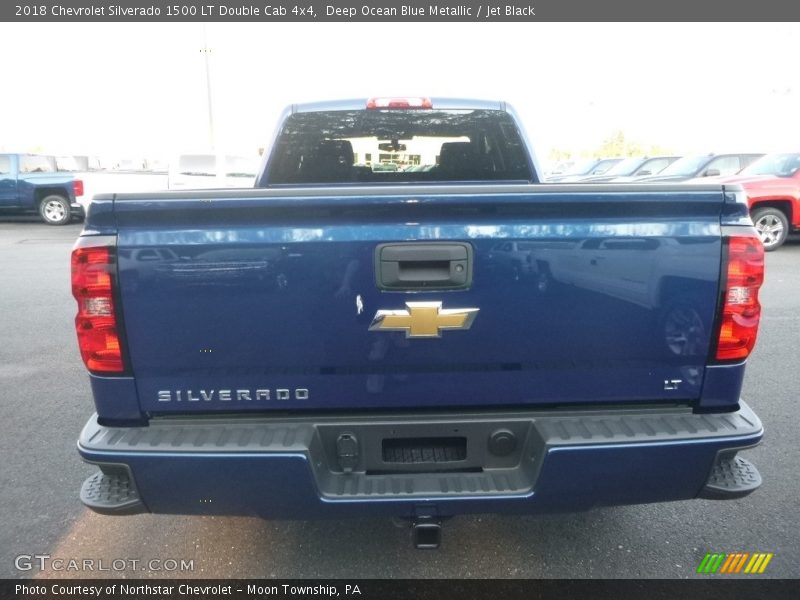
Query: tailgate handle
x=423 y=265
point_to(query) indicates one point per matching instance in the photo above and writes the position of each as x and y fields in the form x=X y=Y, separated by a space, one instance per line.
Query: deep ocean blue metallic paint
x=20 y=191
x=594 y=299
x=211 y=273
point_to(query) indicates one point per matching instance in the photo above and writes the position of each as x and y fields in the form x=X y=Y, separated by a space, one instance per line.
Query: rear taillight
x=77 y=187
x=93 y=287
x=741 y=311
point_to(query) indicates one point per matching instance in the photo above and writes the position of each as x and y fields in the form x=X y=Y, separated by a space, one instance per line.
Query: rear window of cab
x=393 y=146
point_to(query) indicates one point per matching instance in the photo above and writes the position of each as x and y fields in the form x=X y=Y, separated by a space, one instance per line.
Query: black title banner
x=527 y=589
x=266 y=11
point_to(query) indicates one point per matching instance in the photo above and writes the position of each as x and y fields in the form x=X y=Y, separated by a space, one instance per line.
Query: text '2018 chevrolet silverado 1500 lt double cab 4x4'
x=343 y=340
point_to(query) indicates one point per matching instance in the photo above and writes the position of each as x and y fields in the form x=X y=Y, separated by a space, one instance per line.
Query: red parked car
x=772 y=184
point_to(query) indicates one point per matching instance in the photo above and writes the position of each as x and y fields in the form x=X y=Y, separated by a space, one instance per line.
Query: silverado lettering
x=229 y=395
x=516 y=347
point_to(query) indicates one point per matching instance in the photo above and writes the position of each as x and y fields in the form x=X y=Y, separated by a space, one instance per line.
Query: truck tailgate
x=267 y=300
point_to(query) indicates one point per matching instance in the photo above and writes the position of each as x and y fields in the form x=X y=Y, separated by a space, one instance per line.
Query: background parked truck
x=31 y=183
x=772 y=185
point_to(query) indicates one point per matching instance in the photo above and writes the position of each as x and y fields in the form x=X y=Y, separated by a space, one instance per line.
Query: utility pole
x=206 y=51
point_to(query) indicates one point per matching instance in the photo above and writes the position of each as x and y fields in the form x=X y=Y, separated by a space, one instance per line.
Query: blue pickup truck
x=342 y=340
x=32 y=183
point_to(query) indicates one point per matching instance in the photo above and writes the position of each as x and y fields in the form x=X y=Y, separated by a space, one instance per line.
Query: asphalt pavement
x=45 y=400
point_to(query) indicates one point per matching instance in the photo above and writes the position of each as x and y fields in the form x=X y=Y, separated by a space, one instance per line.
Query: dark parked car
x=707 y=165
x=585 y=168
x=633 y=167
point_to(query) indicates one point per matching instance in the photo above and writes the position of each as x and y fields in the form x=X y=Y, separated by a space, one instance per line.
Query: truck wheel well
x=42 y=193
x=785 y=206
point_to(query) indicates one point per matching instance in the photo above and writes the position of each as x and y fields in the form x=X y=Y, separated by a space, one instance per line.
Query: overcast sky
x=139 y=89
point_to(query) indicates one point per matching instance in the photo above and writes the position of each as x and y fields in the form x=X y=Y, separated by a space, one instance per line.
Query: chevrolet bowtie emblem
x=423 y=319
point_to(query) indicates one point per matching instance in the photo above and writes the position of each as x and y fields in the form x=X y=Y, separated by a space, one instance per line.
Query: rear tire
x=55 y=210
x=772 y=226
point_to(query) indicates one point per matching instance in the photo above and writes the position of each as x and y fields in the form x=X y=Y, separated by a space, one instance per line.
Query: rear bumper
x=333 y=467
x=77 y=209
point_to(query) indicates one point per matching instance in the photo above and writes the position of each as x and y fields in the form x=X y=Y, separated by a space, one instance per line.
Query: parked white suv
x=193 y=171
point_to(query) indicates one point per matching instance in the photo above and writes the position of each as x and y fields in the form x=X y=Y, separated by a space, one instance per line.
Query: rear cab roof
x=361 y=104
